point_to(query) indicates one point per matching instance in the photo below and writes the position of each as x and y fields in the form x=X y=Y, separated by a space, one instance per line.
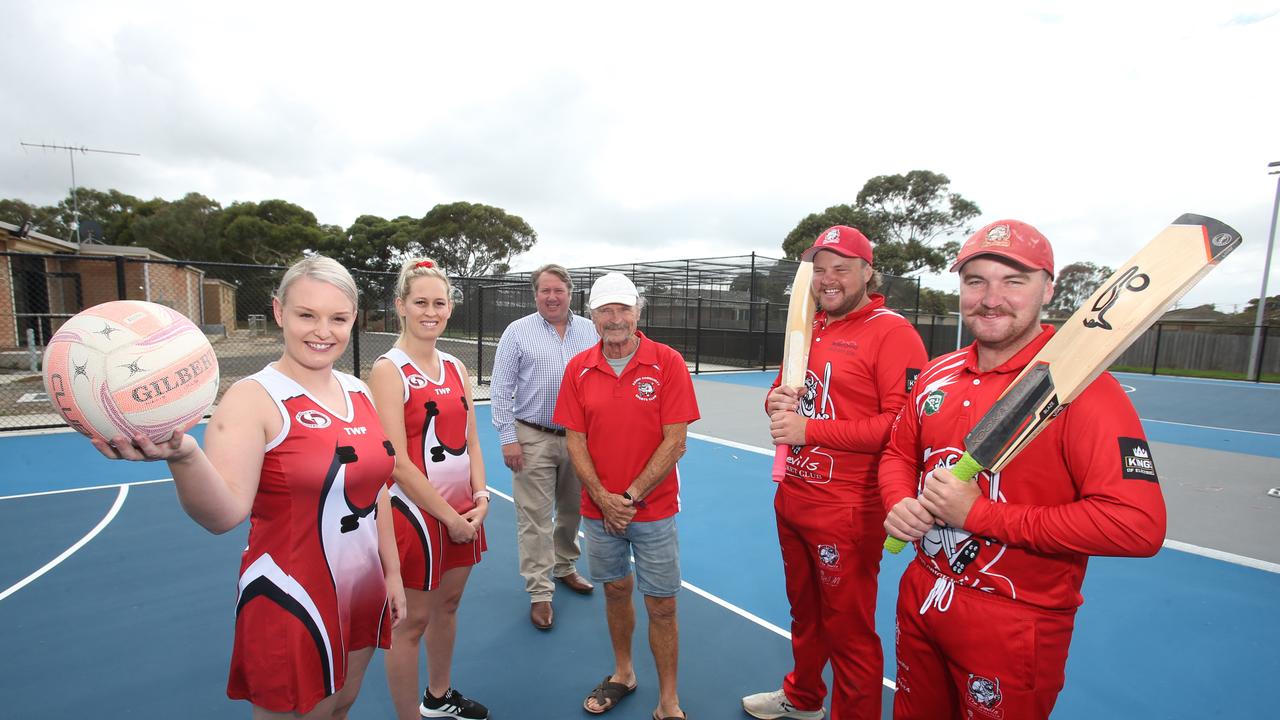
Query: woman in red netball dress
x=439 y=498
x=298 y=449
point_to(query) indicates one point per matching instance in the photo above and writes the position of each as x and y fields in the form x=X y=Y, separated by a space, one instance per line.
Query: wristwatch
x=479 y=494
x=640 y=504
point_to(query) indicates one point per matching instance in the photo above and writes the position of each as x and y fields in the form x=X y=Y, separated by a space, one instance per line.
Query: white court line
x=1210 y=427
x=83 y=489
x=111 y=514
x=1223 y=556
x=732 y=444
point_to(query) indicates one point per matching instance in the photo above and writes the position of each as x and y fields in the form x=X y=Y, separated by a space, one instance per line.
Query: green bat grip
x=964 y=470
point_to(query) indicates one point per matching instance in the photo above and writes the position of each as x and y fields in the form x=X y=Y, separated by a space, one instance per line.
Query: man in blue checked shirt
x=530 y=363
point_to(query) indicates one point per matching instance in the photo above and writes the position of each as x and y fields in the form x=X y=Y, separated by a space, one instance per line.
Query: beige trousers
x=548 y=546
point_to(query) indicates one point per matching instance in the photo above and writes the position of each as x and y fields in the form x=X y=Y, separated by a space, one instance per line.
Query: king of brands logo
x=933 y=402
x=1135 y=460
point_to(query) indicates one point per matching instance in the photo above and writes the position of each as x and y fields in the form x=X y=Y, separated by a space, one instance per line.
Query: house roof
x=35 y=241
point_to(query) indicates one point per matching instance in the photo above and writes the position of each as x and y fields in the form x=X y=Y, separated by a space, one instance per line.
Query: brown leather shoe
x=577 y=583
x=541 y=615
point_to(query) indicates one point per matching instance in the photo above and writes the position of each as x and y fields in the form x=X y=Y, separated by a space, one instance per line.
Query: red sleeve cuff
x=978 y=521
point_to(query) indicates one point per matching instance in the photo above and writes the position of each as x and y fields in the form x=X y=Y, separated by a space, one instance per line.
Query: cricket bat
x=1128 y=303
x=795 y=346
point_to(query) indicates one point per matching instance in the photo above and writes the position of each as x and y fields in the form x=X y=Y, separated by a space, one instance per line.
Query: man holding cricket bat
x=986 y=608
x=862 y=360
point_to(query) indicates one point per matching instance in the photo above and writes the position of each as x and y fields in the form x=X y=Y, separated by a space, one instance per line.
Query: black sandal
x=607 y=694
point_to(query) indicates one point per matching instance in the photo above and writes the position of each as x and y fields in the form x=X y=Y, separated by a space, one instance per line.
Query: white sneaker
x=774 y=705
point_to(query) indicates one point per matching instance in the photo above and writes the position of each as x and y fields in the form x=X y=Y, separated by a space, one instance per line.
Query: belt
x=543 y=428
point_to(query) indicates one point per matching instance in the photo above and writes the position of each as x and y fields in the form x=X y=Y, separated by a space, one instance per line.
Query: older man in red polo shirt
x=626 y=404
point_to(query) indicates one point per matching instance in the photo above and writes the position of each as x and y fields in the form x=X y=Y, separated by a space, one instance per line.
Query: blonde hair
x=324 y=269
x=415 y=268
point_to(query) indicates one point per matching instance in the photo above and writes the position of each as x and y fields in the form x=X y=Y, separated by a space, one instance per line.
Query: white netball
x=130 y=367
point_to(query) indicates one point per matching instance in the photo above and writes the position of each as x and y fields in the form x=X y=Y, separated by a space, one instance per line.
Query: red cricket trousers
x=831 y=557
x=964 y=653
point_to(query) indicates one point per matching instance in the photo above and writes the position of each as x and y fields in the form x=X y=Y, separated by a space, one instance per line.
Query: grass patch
x=1184 y=372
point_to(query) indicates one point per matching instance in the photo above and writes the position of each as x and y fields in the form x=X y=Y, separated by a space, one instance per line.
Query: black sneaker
x=452 y=705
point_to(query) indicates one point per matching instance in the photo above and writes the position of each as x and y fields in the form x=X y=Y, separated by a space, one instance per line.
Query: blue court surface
x=113 y=604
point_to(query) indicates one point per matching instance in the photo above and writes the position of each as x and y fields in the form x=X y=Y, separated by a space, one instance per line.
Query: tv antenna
x=71 y=153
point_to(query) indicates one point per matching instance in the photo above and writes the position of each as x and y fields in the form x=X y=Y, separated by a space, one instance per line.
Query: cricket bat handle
x=964 y=470
x=780 y=462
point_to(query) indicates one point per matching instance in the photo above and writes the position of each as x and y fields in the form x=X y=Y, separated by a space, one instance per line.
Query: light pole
x=1255 y=351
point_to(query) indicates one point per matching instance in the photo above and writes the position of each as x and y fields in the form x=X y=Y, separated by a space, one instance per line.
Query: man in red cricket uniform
x=986 y=608
x=862 y=361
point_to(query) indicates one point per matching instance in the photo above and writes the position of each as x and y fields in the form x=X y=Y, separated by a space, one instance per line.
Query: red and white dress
x=311 y=582
x=436 y=414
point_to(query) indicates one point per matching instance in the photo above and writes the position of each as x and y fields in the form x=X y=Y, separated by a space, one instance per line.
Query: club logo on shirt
x=933 y=402
x=646 y=388
x=1135 y=460
x=416 y=381
x=313 y=419
x=985 y=695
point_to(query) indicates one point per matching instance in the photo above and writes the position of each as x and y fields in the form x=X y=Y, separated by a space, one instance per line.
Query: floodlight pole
x=1255 y=351
x=71 y=153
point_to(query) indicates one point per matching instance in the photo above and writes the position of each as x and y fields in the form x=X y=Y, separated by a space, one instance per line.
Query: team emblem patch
x=933 y=402
x=997 y=236
x=1135 y=460
x=829 y=555
x=313 y=419
x=646 y=388
x=832 y=236
x=984 y=693
x=416 y=381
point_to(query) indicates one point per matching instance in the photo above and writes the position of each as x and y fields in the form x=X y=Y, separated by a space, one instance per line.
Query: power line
x=71 y=154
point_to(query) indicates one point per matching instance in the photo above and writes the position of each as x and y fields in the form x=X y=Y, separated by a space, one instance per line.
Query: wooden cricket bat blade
x=795 y=347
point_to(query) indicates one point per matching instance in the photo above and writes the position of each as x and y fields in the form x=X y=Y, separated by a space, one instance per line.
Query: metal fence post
x=121 y=289
x=697 y=342
x=355 y=349
x=1155 y=357
x=1262 y=354
x=764 y=343
x=479 y=334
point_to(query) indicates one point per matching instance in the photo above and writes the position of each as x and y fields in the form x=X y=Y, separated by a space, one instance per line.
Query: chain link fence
x=721 y=313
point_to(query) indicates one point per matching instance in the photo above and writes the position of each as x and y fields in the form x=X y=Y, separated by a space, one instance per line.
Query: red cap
x=842 y=240
x=1012 y=240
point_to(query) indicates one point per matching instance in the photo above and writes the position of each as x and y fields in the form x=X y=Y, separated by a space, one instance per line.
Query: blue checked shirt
x=528 y=368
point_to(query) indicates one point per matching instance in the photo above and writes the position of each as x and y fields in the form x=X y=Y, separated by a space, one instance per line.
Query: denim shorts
x=656 y=548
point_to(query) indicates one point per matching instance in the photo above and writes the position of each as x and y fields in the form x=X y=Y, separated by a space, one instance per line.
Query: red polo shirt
x=622 y=417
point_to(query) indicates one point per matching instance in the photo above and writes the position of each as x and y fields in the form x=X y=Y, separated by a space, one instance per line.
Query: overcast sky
x=656 y=131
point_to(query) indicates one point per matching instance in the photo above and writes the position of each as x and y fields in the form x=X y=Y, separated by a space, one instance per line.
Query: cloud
x=663 y=131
